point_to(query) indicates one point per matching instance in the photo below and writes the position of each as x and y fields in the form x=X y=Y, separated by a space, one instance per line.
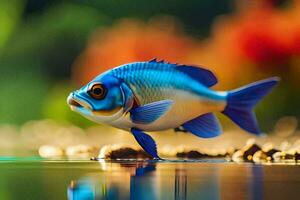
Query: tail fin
x=240 y=103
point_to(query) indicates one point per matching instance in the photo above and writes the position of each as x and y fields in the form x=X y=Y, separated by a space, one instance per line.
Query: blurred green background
x=49 y=48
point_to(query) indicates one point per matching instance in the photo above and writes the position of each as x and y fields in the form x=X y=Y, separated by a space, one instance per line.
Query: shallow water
x=206 y=179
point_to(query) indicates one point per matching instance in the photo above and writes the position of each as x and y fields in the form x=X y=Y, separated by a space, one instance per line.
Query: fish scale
x=150 y=81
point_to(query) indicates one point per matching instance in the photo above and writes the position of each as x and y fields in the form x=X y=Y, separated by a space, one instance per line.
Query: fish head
x=106 y=98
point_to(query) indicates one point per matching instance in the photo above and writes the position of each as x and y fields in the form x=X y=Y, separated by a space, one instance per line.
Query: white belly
x=186 y=107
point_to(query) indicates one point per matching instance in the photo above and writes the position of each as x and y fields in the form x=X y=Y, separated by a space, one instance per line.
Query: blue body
x=151 y=96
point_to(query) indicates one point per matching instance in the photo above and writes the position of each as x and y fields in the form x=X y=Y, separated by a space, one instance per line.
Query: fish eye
x=97 y=91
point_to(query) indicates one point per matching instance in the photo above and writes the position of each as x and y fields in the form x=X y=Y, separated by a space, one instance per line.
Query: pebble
x=281 y=156
x=126 y=153
x=238 y=156
x=249 y=151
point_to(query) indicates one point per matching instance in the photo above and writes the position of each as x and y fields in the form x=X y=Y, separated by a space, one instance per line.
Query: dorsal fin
x=153 y=60
x=204 y=76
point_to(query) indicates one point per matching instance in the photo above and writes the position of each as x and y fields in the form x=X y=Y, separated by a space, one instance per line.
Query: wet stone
x=289 y=157
x=127 y=153
x=250 y=151
x=271 y=152
x=193 y=154
x=190 y=154
x=281 y=156
x=297 y=156
x=260 y=156
x=237 y=156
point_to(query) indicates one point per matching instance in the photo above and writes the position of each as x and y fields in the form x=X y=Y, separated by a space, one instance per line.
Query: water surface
x=208 y=179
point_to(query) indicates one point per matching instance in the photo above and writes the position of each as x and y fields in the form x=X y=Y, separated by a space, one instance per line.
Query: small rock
x=277 y=156
x=260 y=156
x=250 y=151
x=181 y=154
x=297 y=156
x=289 y=156
x=127 y=153
x=271 y=152
x=193 y=154
x=282 y=156
x=238 y=156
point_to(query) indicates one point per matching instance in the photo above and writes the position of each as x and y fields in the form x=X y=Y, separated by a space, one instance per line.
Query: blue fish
x=157 y=95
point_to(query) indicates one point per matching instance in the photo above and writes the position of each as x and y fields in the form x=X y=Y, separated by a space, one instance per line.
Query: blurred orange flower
x=130 y=41
x=263 y=34
x=256 y=41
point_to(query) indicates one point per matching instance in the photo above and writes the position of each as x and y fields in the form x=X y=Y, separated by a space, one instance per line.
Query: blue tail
x=240 y=103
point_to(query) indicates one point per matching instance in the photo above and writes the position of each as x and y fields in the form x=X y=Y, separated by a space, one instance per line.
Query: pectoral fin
x=146 y=142
x=150 y=112
x=205 y=126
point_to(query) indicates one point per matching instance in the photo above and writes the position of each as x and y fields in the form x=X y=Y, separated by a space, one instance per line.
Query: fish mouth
x=78 y=105
x=74 y=103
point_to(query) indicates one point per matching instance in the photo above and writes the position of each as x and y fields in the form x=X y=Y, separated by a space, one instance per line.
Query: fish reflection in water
x=84 y=189
x=112 y=186
x=143 y=181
